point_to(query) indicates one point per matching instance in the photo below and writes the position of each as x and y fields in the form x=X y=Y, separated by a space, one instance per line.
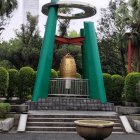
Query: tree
x=64 y=23
x=73 y=34
x=135 y=28
x=74 y=50
x=24 y=49
x=30 y=42
x=8 y=53
x=6 y=8
x=111 y=29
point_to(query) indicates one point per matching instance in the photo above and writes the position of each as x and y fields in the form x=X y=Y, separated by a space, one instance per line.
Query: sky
x=17 y=18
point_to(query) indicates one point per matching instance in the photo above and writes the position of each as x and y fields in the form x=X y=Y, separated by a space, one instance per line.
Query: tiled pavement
x=61 y=136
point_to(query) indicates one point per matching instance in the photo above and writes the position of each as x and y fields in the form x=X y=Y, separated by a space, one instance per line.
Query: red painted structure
x=75 y=41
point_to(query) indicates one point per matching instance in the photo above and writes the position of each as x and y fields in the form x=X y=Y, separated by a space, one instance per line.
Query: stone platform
x=70 y=103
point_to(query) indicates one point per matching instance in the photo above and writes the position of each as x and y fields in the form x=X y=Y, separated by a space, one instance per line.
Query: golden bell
x=67 y=67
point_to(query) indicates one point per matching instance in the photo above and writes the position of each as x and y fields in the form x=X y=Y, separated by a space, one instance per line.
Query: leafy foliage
x=4 y=81
x=75 y=51
x=78 y=75
x=54 y=74
x=111 y=29
x=134 y=26
x=13 y=83
x=131 y=81
x=4 y=109
x=24 y=49
x=6 y=8
x=117 y=87
x=25 y=82
x=63 y=23
x=138 y=92
x=30 y=42
x=108 y=85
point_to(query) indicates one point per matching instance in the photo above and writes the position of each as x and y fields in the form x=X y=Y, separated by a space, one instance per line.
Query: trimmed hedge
x=131 y=81
x=13 y=82
x=54 y=74
x=4 y=109
x=22 y=83
x=4 y=81
x=108 y=84
x=78 y=75
x=138 y=92
x=58 y=73
x=25 y=82
x=117 y=87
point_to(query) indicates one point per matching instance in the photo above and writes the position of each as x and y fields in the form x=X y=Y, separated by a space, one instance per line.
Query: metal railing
x=69 y=86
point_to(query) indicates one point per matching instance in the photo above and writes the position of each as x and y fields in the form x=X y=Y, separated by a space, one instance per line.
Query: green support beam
x=84 y=69
x=93 y=65
x=41 y=86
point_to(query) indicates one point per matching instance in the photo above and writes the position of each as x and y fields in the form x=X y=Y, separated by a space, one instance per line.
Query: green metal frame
x=93 y=65
x=46 y=56
x=90 y=59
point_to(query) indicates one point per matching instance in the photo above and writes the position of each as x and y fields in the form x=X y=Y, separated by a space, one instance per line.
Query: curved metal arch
x=89 y=10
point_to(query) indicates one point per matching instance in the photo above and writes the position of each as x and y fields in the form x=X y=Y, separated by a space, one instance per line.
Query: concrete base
x=19 y=108
x=22 y=123
x=137 y=125
x=70 y=103
x=7 y=124
x=127 y=110
x=126 y=124
x=135 y=121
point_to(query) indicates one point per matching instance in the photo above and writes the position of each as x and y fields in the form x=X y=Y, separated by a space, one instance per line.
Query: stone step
x=72 y=116
x=118 y=129
x=37 y=128
x=58 y=124
x=71 y=132
x=64 y=122
x=64 y=129
x=48 y=124
x=67 y=119
x=71 y=107
x=70 y=103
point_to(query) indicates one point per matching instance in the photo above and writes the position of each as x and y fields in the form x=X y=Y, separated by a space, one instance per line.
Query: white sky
x=17 y=18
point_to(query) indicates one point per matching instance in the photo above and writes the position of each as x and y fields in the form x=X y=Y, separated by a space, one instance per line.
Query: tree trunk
x=123 y=61
x=138 y=58
x=129 y=56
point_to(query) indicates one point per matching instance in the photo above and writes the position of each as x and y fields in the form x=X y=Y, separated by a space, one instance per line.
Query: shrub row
x=131 y=81
x=117 y=86
x=113 y=86
x=4 y=109
x=20 y=83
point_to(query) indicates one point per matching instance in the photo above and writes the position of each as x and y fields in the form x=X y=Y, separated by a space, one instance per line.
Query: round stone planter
x=94 y=129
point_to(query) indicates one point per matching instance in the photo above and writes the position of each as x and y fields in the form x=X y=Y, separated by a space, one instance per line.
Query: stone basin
x=94 y=129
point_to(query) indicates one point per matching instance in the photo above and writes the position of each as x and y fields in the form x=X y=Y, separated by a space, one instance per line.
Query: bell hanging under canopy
x=68 y=67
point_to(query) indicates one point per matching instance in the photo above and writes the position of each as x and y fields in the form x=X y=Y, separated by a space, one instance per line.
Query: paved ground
x=62 y=136
x=58 y=112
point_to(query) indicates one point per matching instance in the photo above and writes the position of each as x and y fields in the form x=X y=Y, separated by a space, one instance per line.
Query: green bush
x=117 y=87
x=4 y=109
x=131 y=81
x=4 y=80
x=13 y=82
x=54 y=74
x=138 y=92
x=25 y=82
x=78 y=75
x=108 y=85
x=58 y=73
